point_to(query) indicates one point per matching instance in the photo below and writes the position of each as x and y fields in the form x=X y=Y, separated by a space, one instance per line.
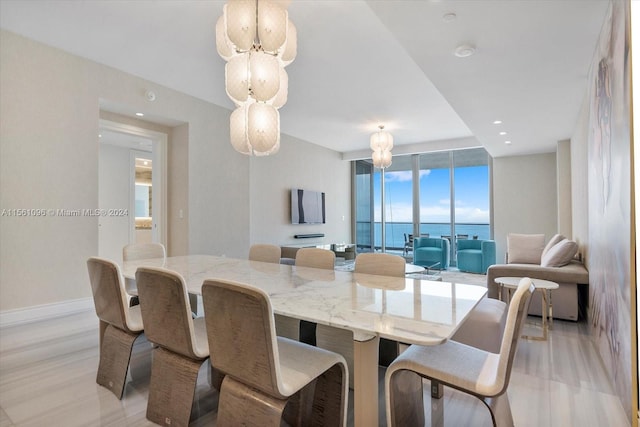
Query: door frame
x=159 y=146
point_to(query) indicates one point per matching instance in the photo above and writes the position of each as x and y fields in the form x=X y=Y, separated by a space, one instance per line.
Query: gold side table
x=545 y=287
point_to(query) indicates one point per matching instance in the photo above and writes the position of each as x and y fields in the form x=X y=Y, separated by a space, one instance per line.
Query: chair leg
x=115 y=353
x=339 y=341
x=240 y=405
x=298 y=408
x=215 y=377
x=500 y=410
x=405 y=406
x=330 y=399
x=171 y=388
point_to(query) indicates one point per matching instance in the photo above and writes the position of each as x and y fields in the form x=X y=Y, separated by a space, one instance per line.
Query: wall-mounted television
x=307 y=207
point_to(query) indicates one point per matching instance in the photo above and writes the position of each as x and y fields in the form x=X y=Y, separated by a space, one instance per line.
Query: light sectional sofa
x=528 y=256
x=568 y=300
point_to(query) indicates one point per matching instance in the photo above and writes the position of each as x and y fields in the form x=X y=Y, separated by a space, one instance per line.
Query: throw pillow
x=552 y=242
x=560 y=254
x=525 y=248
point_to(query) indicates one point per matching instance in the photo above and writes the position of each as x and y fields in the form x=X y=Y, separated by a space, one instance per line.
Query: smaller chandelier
x=381 y=144
x=257 y=40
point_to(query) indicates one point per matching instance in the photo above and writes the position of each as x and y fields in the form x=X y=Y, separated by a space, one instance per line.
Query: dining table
x=405 y=309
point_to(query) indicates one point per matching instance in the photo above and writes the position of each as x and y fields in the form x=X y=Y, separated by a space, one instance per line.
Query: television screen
x=307 y=207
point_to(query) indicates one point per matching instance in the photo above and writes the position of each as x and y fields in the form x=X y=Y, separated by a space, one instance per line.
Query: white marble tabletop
x=404 y=309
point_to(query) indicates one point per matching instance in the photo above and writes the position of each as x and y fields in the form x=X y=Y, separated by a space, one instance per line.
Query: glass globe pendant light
x=381 y=143
x=257 y=40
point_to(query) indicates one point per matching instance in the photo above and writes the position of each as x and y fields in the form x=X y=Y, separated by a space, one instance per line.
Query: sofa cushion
x=552 y=242
x=525 y=248
x=560 y=254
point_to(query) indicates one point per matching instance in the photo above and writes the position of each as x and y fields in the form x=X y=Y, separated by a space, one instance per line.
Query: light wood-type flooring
x=48 y=370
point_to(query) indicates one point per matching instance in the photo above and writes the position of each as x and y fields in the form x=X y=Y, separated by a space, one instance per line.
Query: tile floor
x=48 y=368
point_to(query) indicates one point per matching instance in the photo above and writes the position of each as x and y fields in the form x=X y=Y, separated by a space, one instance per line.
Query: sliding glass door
x=442 y=194
x=364 y=224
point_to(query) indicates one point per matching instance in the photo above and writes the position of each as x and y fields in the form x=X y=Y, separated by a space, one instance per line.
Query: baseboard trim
x=45 y=311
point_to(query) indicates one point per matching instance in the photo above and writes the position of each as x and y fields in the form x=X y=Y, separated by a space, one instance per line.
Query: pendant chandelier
x=381 y=143
x=257 y=40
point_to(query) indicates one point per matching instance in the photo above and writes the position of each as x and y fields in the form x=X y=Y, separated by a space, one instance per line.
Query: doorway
x=131 y=188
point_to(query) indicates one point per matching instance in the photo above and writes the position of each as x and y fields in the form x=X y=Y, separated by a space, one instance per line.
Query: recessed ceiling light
x=464 y=50
x=448 y=17
x=99 y=135
x=497 y=122
x=140 y=114
x=507 y=142
x=503 y=133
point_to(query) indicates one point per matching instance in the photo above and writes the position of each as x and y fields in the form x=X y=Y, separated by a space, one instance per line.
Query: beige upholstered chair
x=136 y=251
x=316 y=258
x=262 y=371
x=120 y=324
x=292 y=328
x=341 y=340
x=484 y=326
x=181 y=345
x=265 y=253
x=381 y=264
x=479 y=373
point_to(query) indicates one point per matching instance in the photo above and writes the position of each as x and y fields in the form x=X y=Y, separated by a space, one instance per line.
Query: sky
x=471 y=195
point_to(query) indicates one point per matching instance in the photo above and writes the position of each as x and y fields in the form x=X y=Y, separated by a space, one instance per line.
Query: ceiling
x=362 y=63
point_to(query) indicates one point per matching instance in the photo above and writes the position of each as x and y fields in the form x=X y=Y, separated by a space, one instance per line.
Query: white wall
x=563 y=171
x=524 y=197
x=113 y=193
x=49 y=106
x=178 y=200
x=299 y=165
x=579 y=187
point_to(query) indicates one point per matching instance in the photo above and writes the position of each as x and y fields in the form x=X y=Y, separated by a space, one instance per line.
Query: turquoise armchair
x=429 y=250
x=475 y=256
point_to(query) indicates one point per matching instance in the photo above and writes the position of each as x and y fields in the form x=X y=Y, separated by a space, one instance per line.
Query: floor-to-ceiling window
x=364 y=226
x=470 y=196
x=441 y=194
x=435 y=194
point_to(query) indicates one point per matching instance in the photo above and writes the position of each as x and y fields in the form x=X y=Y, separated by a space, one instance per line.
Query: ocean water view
x=395 y=231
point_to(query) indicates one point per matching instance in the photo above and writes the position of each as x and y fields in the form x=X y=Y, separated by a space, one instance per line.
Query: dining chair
x=136 y=251
x=263 y=371
x=181 y=345
x=482 y=374
x=341 y=340
x=265 y=253
x=383 y=264
x=120 y=324
x=289 y=327
x=314 y=258
x=484 y=326
x=408 y=244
